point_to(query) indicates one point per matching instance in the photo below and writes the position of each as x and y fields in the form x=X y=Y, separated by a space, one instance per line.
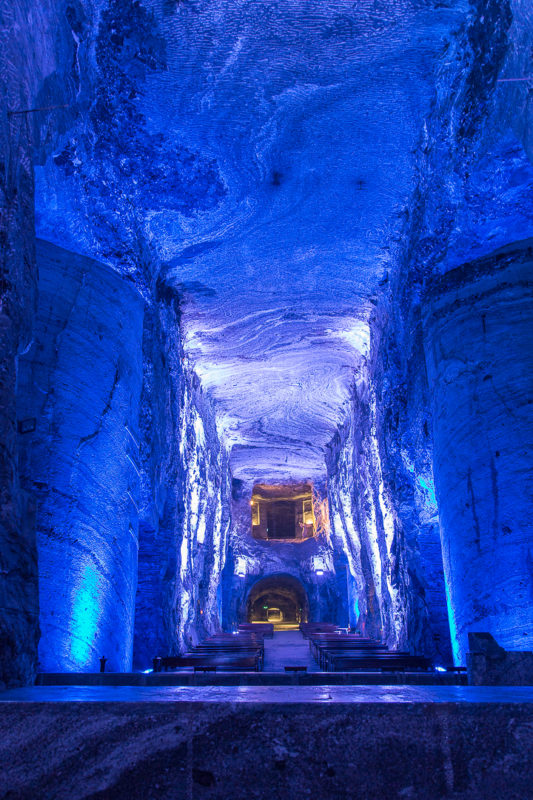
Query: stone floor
x=288 y=648
x=272 y=694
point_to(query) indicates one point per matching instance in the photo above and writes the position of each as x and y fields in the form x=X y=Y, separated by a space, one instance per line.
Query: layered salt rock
x=477 y=339
x=126 y=463
x=18 y=554
x=275 y=241
x=388 y=529
x=22 y=70
x=185 y=497
x=81 y=382
x=381 y=490
x=402 y=427
x=473 y=194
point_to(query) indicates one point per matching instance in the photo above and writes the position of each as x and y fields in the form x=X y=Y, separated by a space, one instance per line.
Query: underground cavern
x=266 y=357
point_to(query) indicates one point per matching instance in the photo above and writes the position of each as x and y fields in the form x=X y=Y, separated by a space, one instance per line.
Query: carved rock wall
x=81 y=382
x=185 y=495
x=477 y=339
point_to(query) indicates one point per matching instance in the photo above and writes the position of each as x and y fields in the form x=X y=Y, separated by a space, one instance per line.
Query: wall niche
x=283 y=512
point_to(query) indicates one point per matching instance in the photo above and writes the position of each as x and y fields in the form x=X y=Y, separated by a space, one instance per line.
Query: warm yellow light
x=251 y=502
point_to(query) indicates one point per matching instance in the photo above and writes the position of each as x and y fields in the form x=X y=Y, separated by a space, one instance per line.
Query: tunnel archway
x=280 y=599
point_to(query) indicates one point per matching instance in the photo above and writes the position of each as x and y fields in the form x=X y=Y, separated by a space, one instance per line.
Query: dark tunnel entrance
x=280 y=599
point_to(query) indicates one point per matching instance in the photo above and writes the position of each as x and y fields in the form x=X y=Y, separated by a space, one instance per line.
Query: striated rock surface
x=261 y=155
x=24 y=68
x=185 y=498
x=81 y=383
x=477 y=339
x=285 y=188
x=384 y=515
x=18 y=554
x=473 y=194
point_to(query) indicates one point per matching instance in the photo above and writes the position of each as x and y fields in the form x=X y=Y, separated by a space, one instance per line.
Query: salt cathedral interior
x=266 y=399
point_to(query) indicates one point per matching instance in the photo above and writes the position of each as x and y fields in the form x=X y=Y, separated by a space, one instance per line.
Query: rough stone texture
x=362 y=751
x=205 y=485
x=81 y=382
x=24 y=67
x=384 y=515
x=185 y=497
x=18 y=554
x=161 y=505
x=282 y=185
x=477 y=339
x=473 y=193
x=212 y=138
x=404 y=434
x=489 y=664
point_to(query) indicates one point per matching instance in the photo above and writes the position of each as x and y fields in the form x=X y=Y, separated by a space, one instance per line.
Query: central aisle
x=288 y=648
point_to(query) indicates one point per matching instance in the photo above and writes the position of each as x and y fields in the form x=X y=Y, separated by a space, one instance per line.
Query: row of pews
x=337 y=651
x=241 y=651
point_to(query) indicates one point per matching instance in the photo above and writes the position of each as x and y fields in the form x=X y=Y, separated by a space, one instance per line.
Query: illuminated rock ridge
x=263 y=243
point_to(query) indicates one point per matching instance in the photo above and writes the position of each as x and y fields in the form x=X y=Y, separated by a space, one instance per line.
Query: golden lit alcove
x=283 y=512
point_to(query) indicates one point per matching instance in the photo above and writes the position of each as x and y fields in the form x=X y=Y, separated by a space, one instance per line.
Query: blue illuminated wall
x=301 y=218
x=184 y=506
x=478 y=334
x=81 y=381
x=383 y=511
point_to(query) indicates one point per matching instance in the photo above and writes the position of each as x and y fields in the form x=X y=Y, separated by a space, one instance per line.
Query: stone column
x=81 y=382
x=478 y=341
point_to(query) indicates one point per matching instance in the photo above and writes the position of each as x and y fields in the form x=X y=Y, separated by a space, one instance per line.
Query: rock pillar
x=81 y=383
x=478 y=336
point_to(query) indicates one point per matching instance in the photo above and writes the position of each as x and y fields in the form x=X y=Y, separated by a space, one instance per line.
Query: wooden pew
x=320 y=643
x=377 y=662
x=213 y=650
x=323 y=650
x=310 y=628
x=243 y=650
x=264 y=628
x=218 y=661
x=349 y=652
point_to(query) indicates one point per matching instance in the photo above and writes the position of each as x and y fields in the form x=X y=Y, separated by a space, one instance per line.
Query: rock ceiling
x=295 y=125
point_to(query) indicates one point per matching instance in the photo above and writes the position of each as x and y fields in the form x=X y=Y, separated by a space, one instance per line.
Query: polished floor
x=272 y=694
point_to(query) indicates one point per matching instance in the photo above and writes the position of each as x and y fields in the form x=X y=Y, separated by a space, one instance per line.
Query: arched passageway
x=280 y=599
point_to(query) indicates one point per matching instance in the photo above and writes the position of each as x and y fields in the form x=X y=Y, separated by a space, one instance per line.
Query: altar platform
x=242 y=742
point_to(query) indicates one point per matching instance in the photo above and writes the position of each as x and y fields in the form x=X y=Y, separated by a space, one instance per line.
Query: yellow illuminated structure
x=283 y=512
